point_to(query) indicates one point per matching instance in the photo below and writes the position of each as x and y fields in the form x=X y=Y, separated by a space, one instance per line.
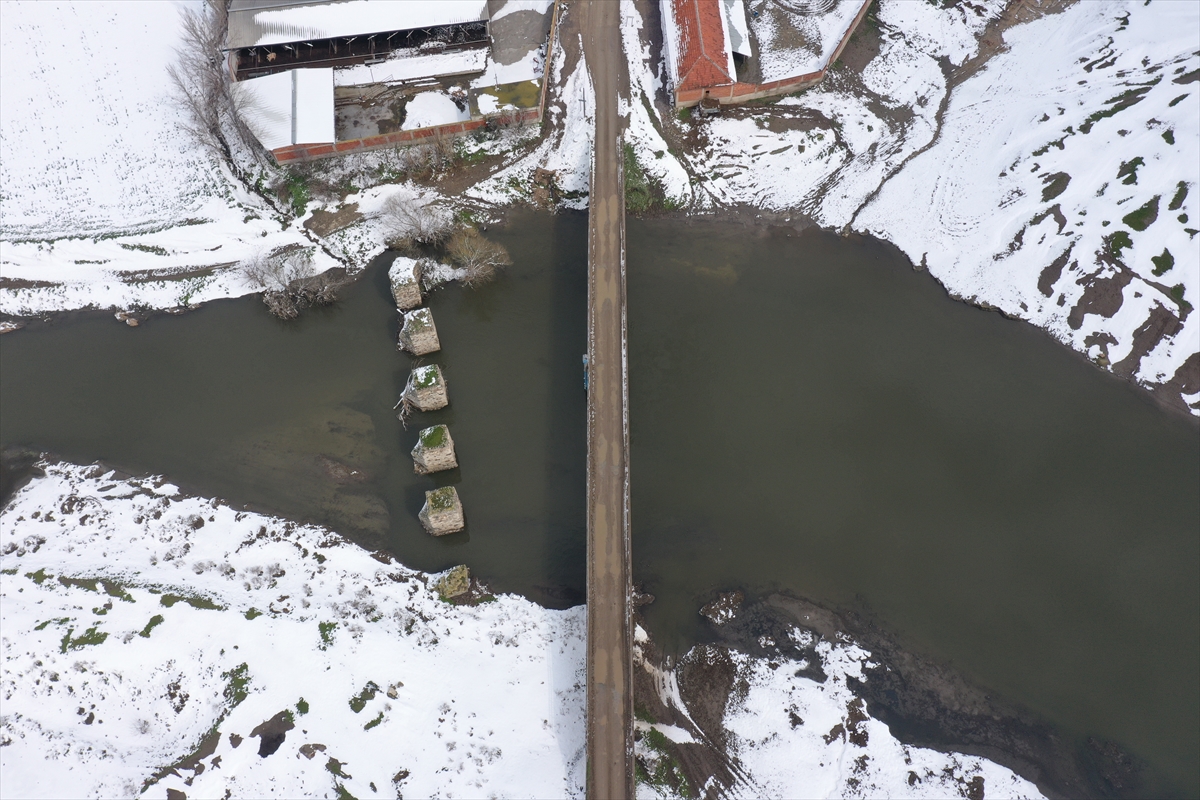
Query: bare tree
x=203 y=86
x=285 y=277
x=479 y=257
x=409 y=222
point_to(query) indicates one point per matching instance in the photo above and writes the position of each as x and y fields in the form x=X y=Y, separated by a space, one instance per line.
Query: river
x=808 y=413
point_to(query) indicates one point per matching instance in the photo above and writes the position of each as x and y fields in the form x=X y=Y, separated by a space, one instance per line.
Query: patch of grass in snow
x=1056 y=184
x=1144 y=217
x=38 y=577
x=1177 y=296
x=298 y=193
x=59 y=621
x=1129 y=169
x=326 y=629
x=145 y=248
x=90 y=636
x=1168 y=136
x=1117 y=241
x=335 y=766
x=154 y=622
x=239 y=679
x=360 y=700
x=195 y=601
x=1163 y=263
x=1119 y=103
x=662 y=772
x=302 y=706
x=1181 y=193
x=342 y=792
x=1177 y=101
x=253 y=613
x=374 y=723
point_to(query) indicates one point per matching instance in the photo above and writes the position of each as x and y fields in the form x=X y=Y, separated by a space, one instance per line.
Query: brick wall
x=308 y=152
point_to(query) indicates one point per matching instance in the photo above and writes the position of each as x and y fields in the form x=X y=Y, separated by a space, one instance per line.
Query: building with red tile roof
x=699 y=55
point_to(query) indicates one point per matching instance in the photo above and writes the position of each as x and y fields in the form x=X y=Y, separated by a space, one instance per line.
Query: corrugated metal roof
x=266 y=22
x=293 y=107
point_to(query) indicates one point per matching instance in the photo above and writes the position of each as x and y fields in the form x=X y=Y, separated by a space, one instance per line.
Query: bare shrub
x=285 y=277
x=408 y=222
x=478 y=256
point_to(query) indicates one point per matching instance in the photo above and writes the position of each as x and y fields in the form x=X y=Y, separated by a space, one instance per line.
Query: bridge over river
x=609 y=634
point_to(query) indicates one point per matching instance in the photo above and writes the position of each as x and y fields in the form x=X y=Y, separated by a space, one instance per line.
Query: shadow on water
x=807 y=413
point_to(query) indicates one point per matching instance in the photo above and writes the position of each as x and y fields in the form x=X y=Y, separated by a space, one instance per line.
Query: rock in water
x=406 y=283
x=442 y=512
x=426 y=389
x=419 y=335
x=454 y=583
x=434 y=451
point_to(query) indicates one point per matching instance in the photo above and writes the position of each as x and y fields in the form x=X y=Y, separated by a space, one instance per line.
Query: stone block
x=454 y=583
x=426 y=389
x=406 y=283
x=419 y=335
x=442 y=512
x=434 y=451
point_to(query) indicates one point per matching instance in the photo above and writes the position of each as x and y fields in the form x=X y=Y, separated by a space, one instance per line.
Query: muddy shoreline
x=924 y=703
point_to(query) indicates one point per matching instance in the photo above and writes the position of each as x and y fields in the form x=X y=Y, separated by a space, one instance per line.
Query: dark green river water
x=808 y=413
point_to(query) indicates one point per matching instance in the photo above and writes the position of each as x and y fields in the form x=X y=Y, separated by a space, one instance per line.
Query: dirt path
x=610 y=668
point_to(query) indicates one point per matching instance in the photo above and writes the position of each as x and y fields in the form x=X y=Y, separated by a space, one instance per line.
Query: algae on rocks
x=442 y=512
x=434 y=451
x=455 y=583
x=419 y=335
x=405 y=278
x=426 y=389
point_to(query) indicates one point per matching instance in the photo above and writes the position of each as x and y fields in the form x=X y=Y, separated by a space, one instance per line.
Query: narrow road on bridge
x=610 y=668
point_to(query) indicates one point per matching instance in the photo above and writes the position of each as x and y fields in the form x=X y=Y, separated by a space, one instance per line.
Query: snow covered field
x=103 y=201
x=137 y=623
x=153 y=641
x=1062 y=188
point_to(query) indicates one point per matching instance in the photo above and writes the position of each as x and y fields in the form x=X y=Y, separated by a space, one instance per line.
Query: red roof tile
x=702 y=59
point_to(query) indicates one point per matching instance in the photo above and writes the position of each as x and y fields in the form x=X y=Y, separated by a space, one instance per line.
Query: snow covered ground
x=103 y=201
x=816 y=25
x=139 y=624
x=1062 y=188
x=791 y=736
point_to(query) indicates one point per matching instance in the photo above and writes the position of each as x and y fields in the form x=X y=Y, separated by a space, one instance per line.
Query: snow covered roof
x=699 y=52
x=736 y=28
x=293 y=107
x=266 y=22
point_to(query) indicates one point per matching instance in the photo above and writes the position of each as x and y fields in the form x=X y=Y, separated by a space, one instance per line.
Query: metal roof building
x=259 y=23
x=293 y=107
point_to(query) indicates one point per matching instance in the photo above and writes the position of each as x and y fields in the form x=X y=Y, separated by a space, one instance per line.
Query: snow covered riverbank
x=155 y=642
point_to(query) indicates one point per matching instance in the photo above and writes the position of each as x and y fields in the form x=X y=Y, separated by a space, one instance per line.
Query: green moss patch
x=1129 y=169
x=89 y=637
x=1163 y=263
x=442 y=499
x=154 y=622
x=1143 y=217
x=1181 y=193
x=360 y=700
x=434 y=437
